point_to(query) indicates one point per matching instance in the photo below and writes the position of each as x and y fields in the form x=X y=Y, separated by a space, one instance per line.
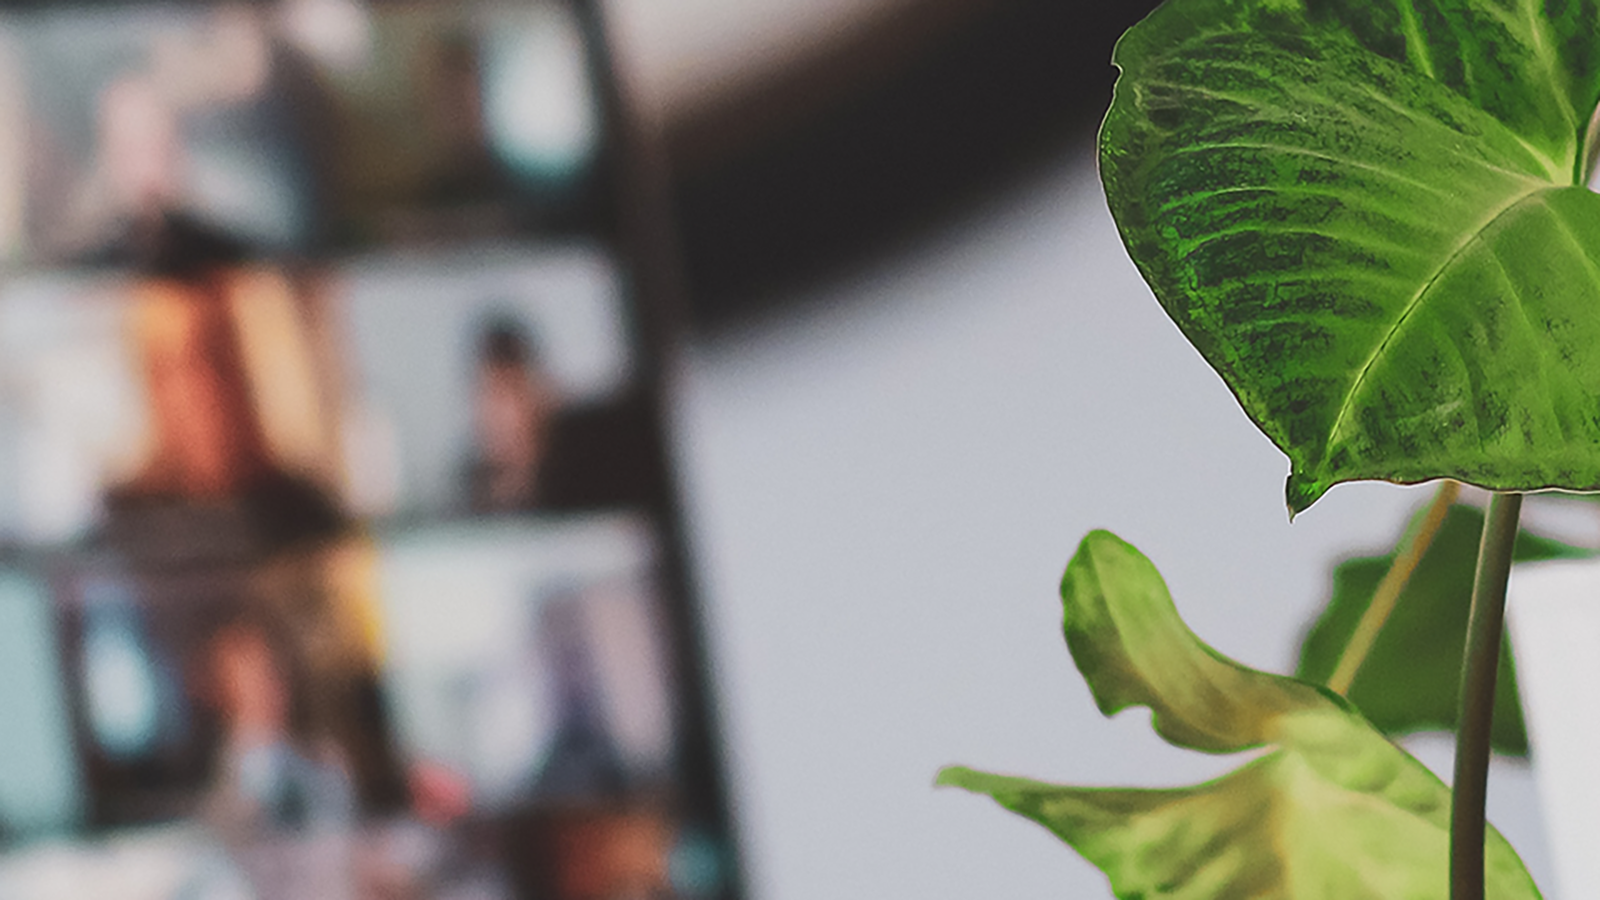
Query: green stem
x=1485 y=630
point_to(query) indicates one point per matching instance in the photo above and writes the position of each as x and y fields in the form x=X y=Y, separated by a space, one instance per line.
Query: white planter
x=1553 y=612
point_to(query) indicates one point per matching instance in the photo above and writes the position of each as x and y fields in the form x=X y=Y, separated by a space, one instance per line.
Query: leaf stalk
x=1485 y=632
x=1389 y=590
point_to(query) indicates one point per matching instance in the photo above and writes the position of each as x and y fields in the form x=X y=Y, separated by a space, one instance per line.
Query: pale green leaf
x=1331 y=811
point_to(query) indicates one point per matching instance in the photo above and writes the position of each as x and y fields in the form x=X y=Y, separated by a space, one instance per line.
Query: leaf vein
x=1349 y=200
x=1538 y=27
x=1315 y=154
x=1362 y=239
x=1347 y=403
x=1326 y=276
x=1551 y=168
x=1423 y=55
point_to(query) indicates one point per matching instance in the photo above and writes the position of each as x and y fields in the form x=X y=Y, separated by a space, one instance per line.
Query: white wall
x=886 y=487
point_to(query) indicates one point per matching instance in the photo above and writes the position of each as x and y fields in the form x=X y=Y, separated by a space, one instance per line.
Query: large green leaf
x=1411 y=678
x=1333 y=811
x=1369 y=218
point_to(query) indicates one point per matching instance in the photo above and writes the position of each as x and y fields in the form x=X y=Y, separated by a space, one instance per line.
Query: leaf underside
x=1369 y=219
x=1410 y=680
x=1332 y=811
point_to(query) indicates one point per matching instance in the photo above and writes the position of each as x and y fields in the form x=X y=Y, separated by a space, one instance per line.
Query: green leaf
x=1368 y=218
x=1411 y=678
x=1333 y=811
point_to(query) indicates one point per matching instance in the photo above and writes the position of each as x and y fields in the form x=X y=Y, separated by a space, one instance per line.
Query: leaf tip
x=1100 y=540
x=1002 y=789
x=1097 y=543
x=995 y=787
x=1300 y=491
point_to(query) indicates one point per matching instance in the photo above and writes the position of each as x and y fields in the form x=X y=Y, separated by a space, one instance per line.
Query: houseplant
x=1370 y=217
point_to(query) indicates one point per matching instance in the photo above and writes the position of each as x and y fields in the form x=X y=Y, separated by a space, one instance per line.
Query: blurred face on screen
x=507 y=416
x=513 y=404
x=139 y=146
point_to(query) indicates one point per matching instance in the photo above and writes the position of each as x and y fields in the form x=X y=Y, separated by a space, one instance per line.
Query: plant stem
x=1388 y=591
x=1485 y=629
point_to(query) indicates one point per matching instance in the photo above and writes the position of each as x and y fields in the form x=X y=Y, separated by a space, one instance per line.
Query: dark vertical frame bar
x=639 y=194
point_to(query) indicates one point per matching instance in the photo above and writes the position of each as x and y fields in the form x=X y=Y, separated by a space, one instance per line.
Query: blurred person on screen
x=281 y=796
x=201 y=132
x=207 y=446
x=513 y=406
x=132 y=209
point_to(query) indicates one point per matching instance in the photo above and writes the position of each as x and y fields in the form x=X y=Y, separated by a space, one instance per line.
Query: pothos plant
x=1370 y=217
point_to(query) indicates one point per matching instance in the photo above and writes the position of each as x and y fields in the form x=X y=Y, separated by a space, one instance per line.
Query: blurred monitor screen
x=334 y=558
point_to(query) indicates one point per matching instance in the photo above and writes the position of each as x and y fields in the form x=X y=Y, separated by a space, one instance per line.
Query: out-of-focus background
x=903 y=362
